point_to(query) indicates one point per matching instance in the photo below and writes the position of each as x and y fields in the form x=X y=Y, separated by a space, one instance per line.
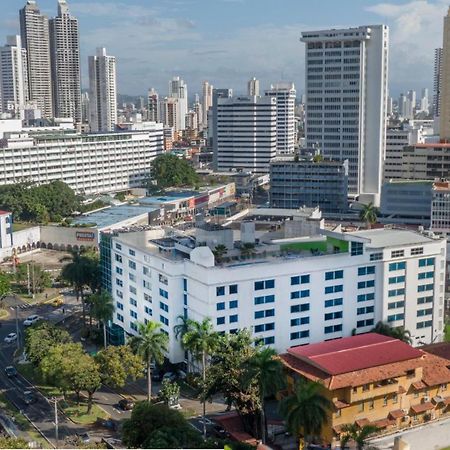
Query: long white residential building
x=290 y=292
x=346 y=101
x=88 y=163
x=285 y=94
x=245 y=132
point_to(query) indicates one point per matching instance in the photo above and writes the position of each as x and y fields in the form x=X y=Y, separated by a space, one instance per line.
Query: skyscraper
x=178 y=90
x=198 y=109
x=437 y=82
x=35 y=39
x=285 y=94
x=444 y=128
x=103 y=91
x=170 y=113
x=206 y=101
x=346 y=97
x=153 y=106
x=13 y=77
x=253 y=87
x=65 y=58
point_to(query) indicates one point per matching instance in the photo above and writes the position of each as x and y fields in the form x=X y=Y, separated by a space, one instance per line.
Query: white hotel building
x=287 y=293
x=88 y=163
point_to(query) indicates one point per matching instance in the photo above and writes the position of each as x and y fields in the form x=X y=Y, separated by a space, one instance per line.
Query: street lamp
x=55 y=400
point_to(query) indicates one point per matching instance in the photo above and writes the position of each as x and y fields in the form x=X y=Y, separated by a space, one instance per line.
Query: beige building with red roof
x=374 y=379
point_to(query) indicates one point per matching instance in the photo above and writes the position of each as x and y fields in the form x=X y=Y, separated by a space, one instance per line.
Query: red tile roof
x=4 y=212
x=427 y=406
x=397 y=413
x=362 y=422
x=419 y=385
x=441 y=349
x=355 y=353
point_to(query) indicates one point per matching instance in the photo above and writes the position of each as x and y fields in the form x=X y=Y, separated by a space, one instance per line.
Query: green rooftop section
x=328 y=245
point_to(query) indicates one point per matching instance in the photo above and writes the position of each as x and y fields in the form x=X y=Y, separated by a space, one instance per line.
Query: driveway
x=433 y=436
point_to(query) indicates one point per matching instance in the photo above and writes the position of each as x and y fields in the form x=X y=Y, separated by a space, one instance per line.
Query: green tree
x=170 y=392
x=39 y=278
x=10 y=442
x=201 y=340
x=5 y=284
x=102 y=309
x=394 y=332
x=170 y=171
x=266 y=369
x=219 y=252
x=180 y=329
x=151 y=345
x=369 y=214
x=40 y=338
x=306 y=410
x=118 y=364
x=247 y=249
x=359 y=435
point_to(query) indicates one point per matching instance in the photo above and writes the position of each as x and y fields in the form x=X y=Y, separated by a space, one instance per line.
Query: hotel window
x=132 y=252
x=132 y=265
x=233 y=289
x=299 y=321
x=396 y=317
x=220 y=290
x=336 y=275
x=133 y=326
x=417 y=251
x=369 y=270
x=397 y=254
x=333 y=315
x=300 y=294
x=118 y=258
x=356 y=248
x=422 y=300
x=133 y=290
x=333 y=329
x=425 y=275
x=366 y=297
x=266 y=284
x=425 y=287
x=333 y=302
x=366 y=284
x=163 y=293
x=299 y=335
x=119 y=270
x=220 y=306
x=301 y=279
x=399 y=279
x=334 y=289
x=396 y=292
x=133 y=302
x=119 y=247
x=300 y=308
x=376 y=256
x=234 y=318
x=426 y=262
x=264 y=299
x=233 y=304
x=397 y=266
x=220 y=320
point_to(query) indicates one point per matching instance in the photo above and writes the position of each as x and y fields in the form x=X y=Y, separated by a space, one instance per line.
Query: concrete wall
x=63 y=238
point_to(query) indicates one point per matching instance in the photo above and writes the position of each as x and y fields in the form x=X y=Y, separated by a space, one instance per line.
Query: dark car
x=156 y=374
x=29 y=397
x=10 y=371
x=126 y=404
x=84 y=437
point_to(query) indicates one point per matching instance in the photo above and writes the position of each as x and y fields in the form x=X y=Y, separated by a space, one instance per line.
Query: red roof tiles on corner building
x=355 y=353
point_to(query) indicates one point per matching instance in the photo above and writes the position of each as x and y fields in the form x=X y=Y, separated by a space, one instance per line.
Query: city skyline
x=187 y=40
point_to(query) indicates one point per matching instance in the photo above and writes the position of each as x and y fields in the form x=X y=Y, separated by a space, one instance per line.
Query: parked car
x=84 y=437
x=173 y=376
x=126 y=404
x=29 y=397
x=10 y=371
x=12 y=337
x=31 y=320
x=156 y=374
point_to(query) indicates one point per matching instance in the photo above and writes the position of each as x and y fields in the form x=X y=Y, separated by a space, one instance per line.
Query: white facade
x=13 y=77
x=346 y=99
x=87 y=163
x=437 y=82
x=153 y=106
x=253 y=87
x=391 y=275
x=34 y=31
x=206 y=101
x=285 y=94
x=103 y=91
x=178 y=90
x=65 y=59
x=170 y=113
x=245 y=133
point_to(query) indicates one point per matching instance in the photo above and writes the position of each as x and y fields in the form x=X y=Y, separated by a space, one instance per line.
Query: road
x=40 y=413
x=432 y=436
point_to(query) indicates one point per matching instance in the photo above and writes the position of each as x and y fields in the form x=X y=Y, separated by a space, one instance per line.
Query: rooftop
x=392 y=237
x=355 y=353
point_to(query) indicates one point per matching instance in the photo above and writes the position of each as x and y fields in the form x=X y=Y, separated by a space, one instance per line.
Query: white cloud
x=415 y=31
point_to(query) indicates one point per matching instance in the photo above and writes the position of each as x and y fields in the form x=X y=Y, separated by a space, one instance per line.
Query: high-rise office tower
x=65 y=58
x=198 y=109
x=424 y=102
x=153 y=106
x=390 y=106
x=285 y=94
x=170 y=113
x=412 y=95
x=245 y=134
x=35 y=39
x=102 y=91
x=85 y=108
x=346 y=97
x=178 y=90
x=253 y=87
x=444 y=127
x=206 y=101
x=13 y=77
x=437 y=82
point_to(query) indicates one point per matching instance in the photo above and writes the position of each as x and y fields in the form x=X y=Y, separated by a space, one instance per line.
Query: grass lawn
x=188 y=413
x=3 y=314
x=22 y=422
x=22 y=226
x=76 y=412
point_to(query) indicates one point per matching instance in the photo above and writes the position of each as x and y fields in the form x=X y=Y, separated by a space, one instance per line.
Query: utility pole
x=32 y=278
x=56 y=421
x=28 y=279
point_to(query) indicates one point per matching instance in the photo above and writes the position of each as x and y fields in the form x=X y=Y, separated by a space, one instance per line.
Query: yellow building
x=374 y=379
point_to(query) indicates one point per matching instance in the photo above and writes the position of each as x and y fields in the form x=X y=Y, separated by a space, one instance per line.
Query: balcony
x=378 y=389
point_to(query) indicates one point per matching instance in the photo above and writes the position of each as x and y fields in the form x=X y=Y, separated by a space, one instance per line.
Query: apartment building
x=373 y=379
x=89 y=164
x=290 y=291
x=297 y=182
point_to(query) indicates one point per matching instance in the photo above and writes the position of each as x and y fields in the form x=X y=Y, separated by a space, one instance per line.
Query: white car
x=31 y=320
x=12 y=337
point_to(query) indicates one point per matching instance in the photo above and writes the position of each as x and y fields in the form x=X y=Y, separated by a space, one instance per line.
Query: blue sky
x=229 y=41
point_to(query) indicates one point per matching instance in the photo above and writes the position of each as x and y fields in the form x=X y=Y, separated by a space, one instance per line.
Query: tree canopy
x=170 y=171
x=39 y=203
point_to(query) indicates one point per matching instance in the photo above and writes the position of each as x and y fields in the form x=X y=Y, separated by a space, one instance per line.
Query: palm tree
x=180 y=330
x=102 y=308
x=369 y=214
x=219 y=251
x=77 y=273
x=357 y=434
x=201 y=340
x=247 y=249
x=267 y=370
x=395 y=332
x=150 y=344
x=306 y=410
